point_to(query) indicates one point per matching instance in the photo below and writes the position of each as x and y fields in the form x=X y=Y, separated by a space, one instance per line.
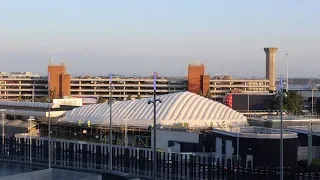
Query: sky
x=142 y=36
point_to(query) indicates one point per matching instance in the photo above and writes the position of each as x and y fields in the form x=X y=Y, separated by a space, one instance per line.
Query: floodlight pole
x=281 y=131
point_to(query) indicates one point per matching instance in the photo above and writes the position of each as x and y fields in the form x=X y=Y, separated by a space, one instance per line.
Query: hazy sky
x=143 y=36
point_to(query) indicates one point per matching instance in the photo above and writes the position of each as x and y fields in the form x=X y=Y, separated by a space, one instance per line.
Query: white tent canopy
x=183 y=107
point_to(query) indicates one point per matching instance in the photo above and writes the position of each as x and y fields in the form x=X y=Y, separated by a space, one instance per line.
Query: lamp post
x=281 y=129
x=110 y=122
x=3 y=116
x=49 y=122
x=154 y=101
x=238 y=143
x=248 y=108
x=312 y=91
x=287 y=77
x=30 y=137
x=126 y=130
x=309 y=142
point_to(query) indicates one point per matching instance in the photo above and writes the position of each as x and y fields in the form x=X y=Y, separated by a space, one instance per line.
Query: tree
x=200 y=93
x=43 y=99
x=101 y=100
x=36 y=99
x=138 y=96
x=53 y=93
x=292 y=102
x=209 y=95
x=129 y=97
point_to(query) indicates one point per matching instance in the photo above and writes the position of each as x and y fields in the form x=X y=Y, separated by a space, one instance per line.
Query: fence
x=94 y=157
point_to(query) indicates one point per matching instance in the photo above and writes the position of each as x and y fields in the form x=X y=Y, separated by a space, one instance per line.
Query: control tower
x=271 y=67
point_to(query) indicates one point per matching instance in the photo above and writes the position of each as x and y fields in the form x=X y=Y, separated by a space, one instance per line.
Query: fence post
x=173 y=164
x=71 y=154
x=191 y=166
x=228 y=168
x=238 y=169
x=218 y=168
x=84 y=154
x=45 y=149
x=98 y=154
x=249 y=170
x=209 y=168
x=126 y=158
x=58 y=152
x=223 y=166
x=141 y=161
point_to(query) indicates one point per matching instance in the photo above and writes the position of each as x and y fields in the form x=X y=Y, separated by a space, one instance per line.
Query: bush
x=315 y=165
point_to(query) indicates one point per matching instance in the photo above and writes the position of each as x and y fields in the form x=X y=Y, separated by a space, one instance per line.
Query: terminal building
x=24 y=86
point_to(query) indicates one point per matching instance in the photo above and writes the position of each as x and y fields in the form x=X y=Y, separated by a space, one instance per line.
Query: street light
x=49 y=122
x=30 y=136
x=281 y=129
x=126 y=129
x=312 y=90
x=3 y=116
x=110 y=123
x=238 y=141
x=154 y=101
x=287 y=78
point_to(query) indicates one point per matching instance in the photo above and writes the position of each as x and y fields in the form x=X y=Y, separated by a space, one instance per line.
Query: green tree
x=292 y=102
x=138 y=96
x=101 y=100
x=209 y=95
x=129 y=97
x=200 y=93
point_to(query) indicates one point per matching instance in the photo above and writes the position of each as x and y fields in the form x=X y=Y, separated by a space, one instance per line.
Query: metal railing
x=93 y=157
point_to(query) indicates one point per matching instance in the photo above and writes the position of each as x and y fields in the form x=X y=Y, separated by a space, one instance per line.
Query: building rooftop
x=285 y=118
x=305 y=129
x=254 y=132
x=183 y=107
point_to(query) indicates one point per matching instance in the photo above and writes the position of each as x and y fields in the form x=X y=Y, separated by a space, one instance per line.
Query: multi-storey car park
x=14 y=88
x=23 y=86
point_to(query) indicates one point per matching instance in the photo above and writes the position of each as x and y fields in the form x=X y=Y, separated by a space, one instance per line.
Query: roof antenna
x=63 y=62
x=50 y=61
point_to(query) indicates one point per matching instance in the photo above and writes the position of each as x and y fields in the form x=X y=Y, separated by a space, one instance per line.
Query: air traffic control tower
x=271 y=67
